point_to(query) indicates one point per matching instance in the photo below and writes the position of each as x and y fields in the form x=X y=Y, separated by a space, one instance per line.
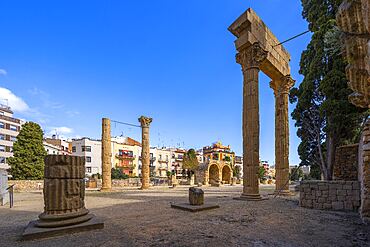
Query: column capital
x=283 y=85
x=145 y=121
x=252 y=56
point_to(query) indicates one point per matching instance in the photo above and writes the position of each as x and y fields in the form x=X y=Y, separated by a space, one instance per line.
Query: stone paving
x=144 y=218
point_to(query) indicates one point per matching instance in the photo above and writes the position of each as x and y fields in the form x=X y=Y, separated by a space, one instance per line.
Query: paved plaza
x=144 y=218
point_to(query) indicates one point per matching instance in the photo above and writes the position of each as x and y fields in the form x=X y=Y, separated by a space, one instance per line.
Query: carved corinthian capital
x=251 y=57
x=145 y=121
x=283 y=85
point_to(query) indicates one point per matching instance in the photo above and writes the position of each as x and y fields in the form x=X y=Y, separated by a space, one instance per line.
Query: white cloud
x=45 y=99
x=3 y=72
x=16 y=103
x=60 y=130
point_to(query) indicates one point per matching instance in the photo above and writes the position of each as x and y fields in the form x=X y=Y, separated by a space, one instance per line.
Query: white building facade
x=91 y=150
x=9 y=129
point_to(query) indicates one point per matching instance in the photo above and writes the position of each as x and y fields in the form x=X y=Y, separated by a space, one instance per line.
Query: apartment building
x=65 y=147
x=91 y=150
x=9 y=129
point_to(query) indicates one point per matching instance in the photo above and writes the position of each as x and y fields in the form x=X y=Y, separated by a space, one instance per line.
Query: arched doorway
x=226 y=174
x=214 y=174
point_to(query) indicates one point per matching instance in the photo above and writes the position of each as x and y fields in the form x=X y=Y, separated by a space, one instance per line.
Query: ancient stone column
x=106 y=151
x=145 y=151
x=281 y=90
x=64 y=200
x=250 y=59
x=64 y=191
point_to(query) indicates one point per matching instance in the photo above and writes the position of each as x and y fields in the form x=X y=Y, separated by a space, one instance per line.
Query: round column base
x=250 y=197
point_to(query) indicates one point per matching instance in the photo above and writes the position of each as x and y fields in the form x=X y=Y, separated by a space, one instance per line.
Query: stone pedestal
x=4 y=195
x=64 y=199
x=145 y=151
x=196 y=202
x=106 y=155
x=196 y=196
x=192 y=180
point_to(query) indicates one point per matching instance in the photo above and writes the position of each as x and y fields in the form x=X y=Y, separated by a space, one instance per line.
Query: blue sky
x=67 y=64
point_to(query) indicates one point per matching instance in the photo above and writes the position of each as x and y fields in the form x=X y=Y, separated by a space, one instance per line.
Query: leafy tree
x=323 y=114
x=261 y=173
x=296 y=173
x=117 y=173
x=190 y=160
x=28 y=153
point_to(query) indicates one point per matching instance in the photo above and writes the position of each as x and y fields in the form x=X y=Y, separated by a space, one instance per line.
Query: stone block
x=196 y=196
x=337 y=205
x=341 y=192
x=347 y=187
x=327 y=205
x=321 y=200
x=348 y=206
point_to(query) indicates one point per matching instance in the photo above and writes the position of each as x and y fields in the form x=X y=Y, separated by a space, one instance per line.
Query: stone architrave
x=281 y=91
x=250 y=59
x=106 y=149
x=145 y=151
x=64 y=199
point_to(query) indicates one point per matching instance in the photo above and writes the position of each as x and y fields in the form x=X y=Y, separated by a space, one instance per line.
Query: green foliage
x=28 y=153
x=118 y=174
x=227 y=158
x=236 y=171
x=323 y=114
x=262 y=173
x=97 y=175
x=190 y=160
x=169 y=173
x=296 y=173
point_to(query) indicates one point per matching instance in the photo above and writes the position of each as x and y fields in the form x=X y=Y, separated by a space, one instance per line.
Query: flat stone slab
x=194 y=208
x=33 y=232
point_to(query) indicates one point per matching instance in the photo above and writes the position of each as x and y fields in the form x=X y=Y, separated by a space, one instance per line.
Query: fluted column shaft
x=281 y=92
x=250 y=59
x=145 y=152
x=106 y=155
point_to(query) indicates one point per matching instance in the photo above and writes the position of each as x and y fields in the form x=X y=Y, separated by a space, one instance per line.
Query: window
x=166 y=157
x=160 y=157
x=13 y=127
x=2 y=125
x=88 y=159
x=74 y=149
x=13 y=138
x=1 y=113
x=86 y=148
x=2 y=148
x=2 y=137
x=2 y=160
x=88 y=169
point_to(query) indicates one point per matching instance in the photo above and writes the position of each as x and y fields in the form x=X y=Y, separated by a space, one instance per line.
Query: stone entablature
x=346 y=163
x=250 y=29
x=330 y=195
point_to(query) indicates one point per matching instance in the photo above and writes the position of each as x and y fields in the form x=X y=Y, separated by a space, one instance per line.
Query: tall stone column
x=106 y=150
x=281 y=91
x=145 y=151
x=250 y=60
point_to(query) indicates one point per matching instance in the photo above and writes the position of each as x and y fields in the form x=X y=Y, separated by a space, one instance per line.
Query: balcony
x=163 y=161
x=152 y=159
x=125 y=157
x=10 y=119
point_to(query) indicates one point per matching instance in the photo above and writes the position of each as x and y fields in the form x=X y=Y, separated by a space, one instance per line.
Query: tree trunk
x=331 y=147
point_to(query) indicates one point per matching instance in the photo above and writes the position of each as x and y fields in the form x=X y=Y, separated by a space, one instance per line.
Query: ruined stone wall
x=330 y=195
x=346 y=163
x=364 y=172
x=27 y=185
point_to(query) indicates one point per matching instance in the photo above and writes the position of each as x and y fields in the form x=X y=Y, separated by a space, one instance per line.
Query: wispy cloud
x=3 y=72
x=15 y=102
x=72 y=113
x=62 y=131
x=45 y=98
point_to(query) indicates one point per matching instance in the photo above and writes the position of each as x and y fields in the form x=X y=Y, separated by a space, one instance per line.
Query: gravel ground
x=145 y=218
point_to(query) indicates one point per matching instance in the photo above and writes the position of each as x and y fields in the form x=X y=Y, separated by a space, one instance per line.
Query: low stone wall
x=346 y=163
x=330 y=195
x=126 y=182
x=27 y=185
x=364 y=172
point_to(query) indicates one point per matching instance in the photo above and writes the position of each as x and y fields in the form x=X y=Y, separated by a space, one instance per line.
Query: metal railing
x=10 y=189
